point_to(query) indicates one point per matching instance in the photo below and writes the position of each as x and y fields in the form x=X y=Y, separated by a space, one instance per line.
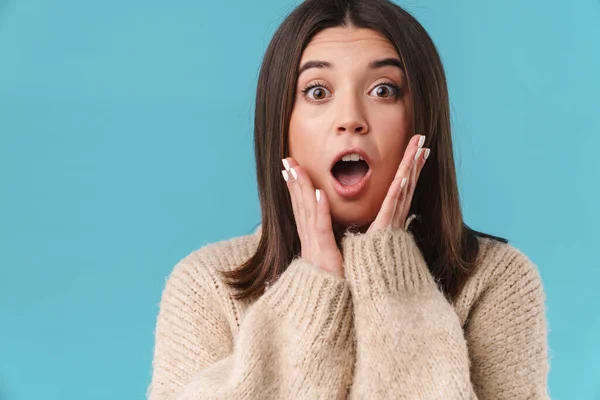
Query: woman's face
x=352 y=96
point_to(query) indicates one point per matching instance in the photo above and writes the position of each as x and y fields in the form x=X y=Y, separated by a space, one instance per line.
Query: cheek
x=393 y=133
x=304 y=139
x=296 y=140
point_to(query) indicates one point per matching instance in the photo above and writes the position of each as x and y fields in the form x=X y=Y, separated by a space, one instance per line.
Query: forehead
x=350 y=43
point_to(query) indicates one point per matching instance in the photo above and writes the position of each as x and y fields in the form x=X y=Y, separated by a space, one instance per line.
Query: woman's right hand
x=313 y=220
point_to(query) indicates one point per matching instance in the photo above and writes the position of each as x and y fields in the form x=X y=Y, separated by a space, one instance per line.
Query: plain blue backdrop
x=126 y=143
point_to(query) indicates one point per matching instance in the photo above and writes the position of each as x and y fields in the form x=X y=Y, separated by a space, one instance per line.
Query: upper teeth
x=352 y=157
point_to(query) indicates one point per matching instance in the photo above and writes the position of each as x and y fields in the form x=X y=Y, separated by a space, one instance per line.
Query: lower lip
x=350 y=191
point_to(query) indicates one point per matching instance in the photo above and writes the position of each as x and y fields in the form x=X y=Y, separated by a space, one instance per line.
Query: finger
x=296 y=197
x=391 y=205
x=309 y=206
x=323 y=226
x=416 y=171
x=409 y=156
x=405 y=170
x=400 y=211
x=323 y=221
x=404 y=208
x=388 y=207
x=307 y=203
x=287 y=176
x=306 y=190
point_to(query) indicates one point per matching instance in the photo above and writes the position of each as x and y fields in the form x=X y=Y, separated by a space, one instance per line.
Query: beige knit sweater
x=384 y=332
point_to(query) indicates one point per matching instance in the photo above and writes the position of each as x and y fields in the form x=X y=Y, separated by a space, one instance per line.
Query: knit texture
x=386 y=331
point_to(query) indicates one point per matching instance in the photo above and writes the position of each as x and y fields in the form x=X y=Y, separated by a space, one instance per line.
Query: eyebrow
x=384 y=62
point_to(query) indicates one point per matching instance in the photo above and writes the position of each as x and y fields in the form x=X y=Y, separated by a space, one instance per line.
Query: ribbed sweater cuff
x=314 y=301
x=384 y=261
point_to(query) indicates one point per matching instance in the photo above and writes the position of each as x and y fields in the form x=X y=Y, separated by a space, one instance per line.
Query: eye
x=316 y=92
x=386 y=90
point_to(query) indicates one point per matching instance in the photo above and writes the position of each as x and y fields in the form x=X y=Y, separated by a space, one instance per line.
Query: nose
x=352 y=126
x=351 y=118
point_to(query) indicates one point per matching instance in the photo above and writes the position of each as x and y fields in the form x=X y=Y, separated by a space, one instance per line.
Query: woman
x=338 y=294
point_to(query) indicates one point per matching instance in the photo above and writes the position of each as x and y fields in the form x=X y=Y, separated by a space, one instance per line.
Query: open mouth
x=350 y=170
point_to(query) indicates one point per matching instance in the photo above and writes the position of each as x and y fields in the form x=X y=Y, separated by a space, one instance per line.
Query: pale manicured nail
x=286 y=164
x=285 y=175
x=418 y=154
x=318 y=194
x=427 y=153
x=421 y=141
x=294 y=174
x=403 y=183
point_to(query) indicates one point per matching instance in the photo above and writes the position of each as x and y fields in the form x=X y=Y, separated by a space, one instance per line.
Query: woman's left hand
x=396 y=204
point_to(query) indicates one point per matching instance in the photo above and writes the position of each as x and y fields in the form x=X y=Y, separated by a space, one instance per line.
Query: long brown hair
x=449 y=246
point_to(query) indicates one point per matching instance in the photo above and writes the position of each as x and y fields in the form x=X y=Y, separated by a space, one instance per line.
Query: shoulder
x=501 y=262
x=225 y=254
x=505 y=278
x=201 y=267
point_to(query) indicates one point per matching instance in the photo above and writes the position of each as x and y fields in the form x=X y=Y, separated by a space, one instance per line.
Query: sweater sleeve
x=507 y=333
x=295 y=341
x=410 y=342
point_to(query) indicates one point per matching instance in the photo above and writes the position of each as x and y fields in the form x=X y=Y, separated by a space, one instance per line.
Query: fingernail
x=403 y=182
x=427 y=153
x=285 y=175
x=418 y=153
x=421 y=141
x=286 y=164
x=294 y=174
x=318 y=194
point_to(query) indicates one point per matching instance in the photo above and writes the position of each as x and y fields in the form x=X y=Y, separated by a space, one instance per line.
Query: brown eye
x=386 y=91
x=382 y=91
x=317 y=93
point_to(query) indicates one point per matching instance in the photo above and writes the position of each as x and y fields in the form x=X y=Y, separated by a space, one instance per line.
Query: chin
x=349 y=218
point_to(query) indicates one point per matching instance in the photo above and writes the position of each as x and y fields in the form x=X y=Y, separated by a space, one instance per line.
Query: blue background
x=126 y=143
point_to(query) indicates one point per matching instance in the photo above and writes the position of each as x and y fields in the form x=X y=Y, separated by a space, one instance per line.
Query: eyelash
x=397 y=89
